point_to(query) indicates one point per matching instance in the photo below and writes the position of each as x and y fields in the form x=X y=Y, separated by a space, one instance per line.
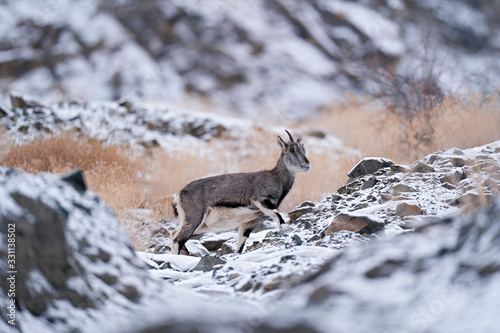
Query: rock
x=336 y=197
x=359 y=206
x=4 y=111
x=130 y=292
x=449 y=186
x=307 y=225
x=214 y=243
x=314 y=238
x=149 y=144
x=352 y=186
x=307 y=204
x=272 y=286
x=421 y=167
x=225 y=249
x=369 y=183
x=264 y=225
x=402 y=188
x=395 y=168
x=368 y=166
x=245 y=286
x=127 y=104
x=208 y=263
x=453 y=178
x=433 y=158
x=457 y=151
x=65 y=238
x=457 y=162
x=404 y=209
x=298 y=212
x=286 y=258
x=196 y=249
x=297 y=239
x=384 y=269
x=471 y=201
x=363 y=224
x=386 y=197
x=23 y=102
x=23 y=129
x=76 y=180
x=317 y=134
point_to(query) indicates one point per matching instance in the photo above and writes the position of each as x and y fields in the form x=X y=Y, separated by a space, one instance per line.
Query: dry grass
x=111 y=171
x=458 y=121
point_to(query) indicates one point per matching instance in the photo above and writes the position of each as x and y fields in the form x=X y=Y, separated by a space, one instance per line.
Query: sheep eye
x=292 y=150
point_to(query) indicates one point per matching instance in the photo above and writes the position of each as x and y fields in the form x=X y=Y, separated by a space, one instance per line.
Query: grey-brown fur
x=253 y=196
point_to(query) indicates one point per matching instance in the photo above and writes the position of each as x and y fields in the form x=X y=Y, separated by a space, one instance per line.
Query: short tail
x=174 y=206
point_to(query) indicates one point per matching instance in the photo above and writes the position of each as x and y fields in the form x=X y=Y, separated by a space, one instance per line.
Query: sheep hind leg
x=244 y=232
x=189 y=223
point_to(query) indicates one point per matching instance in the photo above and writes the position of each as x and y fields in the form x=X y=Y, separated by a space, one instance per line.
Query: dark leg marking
x=248 y=231
x=280 y=218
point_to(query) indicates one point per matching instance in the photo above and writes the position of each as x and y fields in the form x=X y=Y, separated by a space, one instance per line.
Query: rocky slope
x=386 y=252
x=290 y=56
x=123 y=123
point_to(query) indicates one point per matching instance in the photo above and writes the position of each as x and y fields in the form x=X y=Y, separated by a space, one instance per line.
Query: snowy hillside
x=284 y=56
x=422 y=270
x=109 y=108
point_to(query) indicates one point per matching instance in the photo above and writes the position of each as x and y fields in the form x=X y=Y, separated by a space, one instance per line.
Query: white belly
x=223 y=218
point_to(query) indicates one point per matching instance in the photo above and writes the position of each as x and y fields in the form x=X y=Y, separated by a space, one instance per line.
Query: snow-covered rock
x=143 y=125
x=67 y=265
x=445 y=277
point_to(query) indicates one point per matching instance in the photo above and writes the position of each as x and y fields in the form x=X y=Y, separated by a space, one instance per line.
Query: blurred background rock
x=286 y=57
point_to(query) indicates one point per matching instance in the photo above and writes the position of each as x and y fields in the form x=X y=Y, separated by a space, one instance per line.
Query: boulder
x=4 y=111
x=23 y=102
x=369 y=183
x=65 y=238
x=405 y=209
x=453 y=178
x=421 y=167
x=457 y=162
x=213 y=243
x=368 y=166
x=208 y=263
x=363 y=224
x=402 y=188
x=272 y=286
x=76 y=180
x=298 y=212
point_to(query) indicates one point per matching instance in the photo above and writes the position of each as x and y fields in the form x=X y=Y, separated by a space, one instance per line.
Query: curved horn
x=291 y=137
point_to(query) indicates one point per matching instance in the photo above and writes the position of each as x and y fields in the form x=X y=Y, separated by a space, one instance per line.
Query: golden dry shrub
x=462 y=121
x=113 y=172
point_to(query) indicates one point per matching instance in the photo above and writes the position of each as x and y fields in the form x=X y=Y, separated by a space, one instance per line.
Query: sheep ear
x=281 y=143
x=299 y=139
